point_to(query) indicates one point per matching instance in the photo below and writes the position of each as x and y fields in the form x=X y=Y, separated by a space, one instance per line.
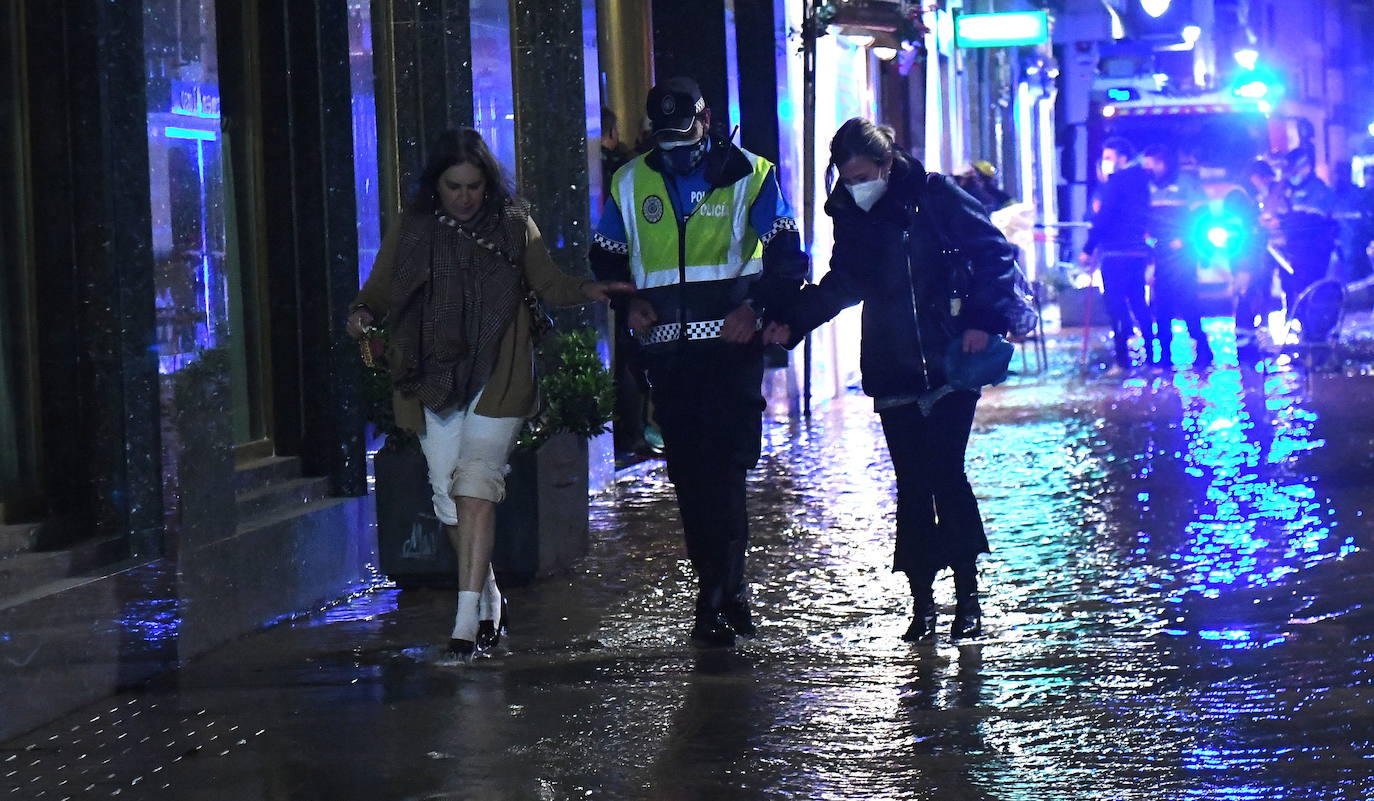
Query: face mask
x=867 y=193
x=1108 y=167
x=683 y=157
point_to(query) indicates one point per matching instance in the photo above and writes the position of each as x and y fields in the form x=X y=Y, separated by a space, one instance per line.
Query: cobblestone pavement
x=1177 y=605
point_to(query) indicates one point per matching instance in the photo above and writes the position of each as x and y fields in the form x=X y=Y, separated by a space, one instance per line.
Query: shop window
x=365 y=169
x=493 y=90
x=184 y=153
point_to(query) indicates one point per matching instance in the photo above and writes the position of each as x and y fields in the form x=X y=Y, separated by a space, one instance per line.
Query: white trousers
x=467 y=455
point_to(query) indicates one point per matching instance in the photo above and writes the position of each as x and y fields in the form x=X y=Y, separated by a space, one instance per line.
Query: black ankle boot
x=968 y=617
x=923 y=620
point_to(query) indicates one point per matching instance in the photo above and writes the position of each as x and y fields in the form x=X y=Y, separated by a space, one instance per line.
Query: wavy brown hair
x=451 y=148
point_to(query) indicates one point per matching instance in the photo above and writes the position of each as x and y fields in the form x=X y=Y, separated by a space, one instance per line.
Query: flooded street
x=1177 y=606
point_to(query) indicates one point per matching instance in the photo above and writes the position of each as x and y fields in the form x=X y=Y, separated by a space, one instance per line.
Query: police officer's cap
x=673 y=106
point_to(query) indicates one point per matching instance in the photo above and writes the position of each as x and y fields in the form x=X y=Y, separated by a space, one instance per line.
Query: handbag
x=1023 y=316
x=541 y=322
x=991 y=365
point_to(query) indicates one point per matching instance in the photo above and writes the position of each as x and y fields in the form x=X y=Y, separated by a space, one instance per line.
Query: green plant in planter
x=378 y=411
x=576 y=391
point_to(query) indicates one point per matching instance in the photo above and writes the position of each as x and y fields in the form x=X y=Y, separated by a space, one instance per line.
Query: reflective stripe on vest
x=720 y=242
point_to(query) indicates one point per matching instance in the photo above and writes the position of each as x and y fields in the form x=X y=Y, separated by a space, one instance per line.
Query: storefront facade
x=193 y=191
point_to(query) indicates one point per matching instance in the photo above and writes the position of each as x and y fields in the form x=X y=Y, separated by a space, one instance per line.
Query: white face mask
x=867 y=193
x=1108 y=167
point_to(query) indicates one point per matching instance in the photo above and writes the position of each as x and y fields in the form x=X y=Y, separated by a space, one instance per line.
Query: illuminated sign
x=195 y=100
x=1011 y=29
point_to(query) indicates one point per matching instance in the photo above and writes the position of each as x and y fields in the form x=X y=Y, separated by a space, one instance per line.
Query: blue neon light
x=190 y=133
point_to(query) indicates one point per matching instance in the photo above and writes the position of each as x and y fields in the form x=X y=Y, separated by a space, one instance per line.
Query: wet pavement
x=1177 y=602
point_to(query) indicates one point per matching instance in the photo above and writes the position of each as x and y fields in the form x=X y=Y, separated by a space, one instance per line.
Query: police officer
x=1117 y=238
x=1251 y=265
x=1175 y=197
x=1309 y=232
x=702 y=229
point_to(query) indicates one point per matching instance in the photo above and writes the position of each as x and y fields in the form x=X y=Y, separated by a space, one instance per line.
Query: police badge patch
x=652 y=208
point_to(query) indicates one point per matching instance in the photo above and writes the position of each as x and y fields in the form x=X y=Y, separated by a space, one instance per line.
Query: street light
x=885 y=53
x=1155 y=8
x=1191 y=33
x=1247 y=58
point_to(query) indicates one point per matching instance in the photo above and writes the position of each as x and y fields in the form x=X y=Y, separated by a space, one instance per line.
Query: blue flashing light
x=1254 y=90
x=1121 y=95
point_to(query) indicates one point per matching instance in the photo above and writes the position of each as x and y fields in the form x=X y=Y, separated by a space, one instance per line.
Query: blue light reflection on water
x=1256 y=515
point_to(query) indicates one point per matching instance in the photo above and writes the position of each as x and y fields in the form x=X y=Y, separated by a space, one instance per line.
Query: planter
x=541 y=527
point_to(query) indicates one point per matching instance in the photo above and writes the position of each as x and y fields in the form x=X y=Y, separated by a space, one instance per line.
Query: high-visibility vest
x=720 y=242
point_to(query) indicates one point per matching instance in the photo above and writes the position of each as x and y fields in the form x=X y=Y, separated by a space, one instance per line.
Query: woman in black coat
x=887 y=255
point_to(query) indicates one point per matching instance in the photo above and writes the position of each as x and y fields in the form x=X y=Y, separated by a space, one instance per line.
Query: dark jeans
x=1176 y=299
x=938 y=523
x=1123 y=291
x=709 y=406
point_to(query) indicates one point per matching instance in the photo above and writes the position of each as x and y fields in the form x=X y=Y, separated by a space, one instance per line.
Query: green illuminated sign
x=1009 y=29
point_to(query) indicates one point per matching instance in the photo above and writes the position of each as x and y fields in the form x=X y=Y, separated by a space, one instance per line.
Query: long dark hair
x=451 y=148
x=859 y=137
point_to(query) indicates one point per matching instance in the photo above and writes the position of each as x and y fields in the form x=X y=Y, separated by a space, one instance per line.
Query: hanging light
x=1247 y=58
x=885 y=53
x=1191 y=33
x=1155 y=8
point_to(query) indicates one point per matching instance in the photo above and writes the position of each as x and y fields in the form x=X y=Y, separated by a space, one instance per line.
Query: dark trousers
x=630 y=393
x=709 y=406
x=1123 y=291
x=1252 y=303
x=1176 y=299
x=938 y=523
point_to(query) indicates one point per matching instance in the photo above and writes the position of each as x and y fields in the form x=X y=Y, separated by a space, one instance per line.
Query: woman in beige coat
x=450 y=281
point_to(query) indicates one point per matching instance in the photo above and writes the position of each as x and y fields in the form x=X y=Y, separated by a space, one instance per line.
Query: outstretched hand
x=601 y=291
x=975 y=341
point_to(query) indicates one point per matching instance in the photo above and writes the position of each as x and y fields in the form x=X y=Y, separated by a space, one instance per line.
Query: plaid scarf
x=452 y=301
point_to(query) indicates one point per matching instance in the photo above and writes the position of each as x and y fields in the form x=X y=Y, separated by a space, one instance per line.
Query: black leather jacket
x=889 y=259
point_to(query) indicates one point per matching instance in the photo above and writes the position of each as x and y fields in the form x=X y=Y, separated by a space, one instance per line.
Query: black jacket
x=1122 y=218
x=889 y=259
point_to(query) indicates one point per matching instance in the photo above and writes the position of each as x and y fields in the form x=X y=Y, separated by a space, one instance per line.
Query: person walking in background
x=1117 y=239
x=1174 y=198
x=1251 y=265
x=449 y=281
x=702 y=229
x=889 y=214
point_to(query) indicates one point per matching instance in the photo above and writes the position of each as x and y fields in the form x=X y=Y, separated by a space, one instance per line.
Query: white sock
x=490 y=608
x=465 y=619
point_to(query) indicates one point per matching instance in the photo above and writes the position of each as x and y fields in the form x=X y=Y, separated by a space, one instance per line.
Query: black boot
x=968 y=618
x=968 y=613
x=923 y=615
x=740 y=616
x=923 y=620
x=711 y=629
